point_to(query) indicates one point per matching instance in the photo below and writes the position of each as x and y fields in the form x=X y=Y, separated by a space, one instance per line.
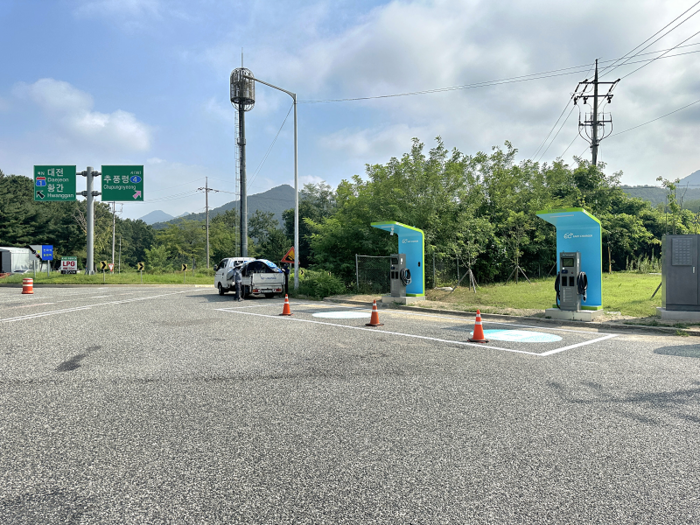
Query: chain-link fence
x=372 y=272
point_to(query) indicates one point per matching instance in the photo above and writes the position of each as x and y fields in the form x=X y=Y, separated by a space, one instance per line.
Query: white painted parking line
x=28 y=305
x=463 y=343
x=86 y=307
x=246 y=306
x=556 y=351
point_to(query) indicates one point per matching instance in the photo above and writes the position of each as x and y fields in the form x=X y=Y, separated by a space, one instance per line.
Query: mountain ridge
x=275 y=200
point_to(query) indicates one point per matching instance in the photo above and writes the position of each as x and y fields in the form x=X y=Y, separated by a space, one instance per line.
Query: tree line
x=480 y=209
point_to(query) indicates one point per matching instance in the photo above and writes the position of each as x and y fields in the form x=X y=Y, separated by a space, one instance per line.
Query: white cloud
x=406 y=46
x=70 y=110
x=130 y=8
x=218 y=110
x=371 y=143
x=306 y=179
x=135 y=15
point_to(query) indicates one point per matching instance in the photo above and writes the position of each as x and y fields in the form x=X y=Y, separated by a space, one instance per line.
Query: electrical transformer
x=679 y=272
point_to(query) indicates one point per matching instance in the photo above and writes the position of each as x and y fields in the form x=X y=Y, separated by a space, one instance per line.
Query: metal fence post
x=434 y=280
x=357 y=273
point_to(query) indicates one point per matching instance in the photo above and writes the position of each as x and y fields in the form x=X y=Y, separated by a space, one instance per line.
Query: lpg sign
x=69 y=265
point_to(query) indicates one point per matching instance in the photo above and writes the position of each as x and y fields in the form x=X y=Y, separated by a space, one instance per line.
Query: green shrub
x=319 y=284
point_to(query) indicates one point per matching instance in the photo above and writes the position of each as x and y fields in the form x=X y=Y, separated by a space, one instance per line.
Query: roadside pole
x=114 y=228
x=90 y=194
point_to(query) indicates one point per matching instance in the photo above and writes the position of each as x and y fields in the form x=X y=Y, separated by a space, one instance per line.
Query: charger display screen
x=567 y=262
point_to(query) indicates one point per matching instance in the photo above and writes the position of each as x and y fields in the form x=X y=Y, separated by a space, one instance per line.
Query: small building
x=18 y=260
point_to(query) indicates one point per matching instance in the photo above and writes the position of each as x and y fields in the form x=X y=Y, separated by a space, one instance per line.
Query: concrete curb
x=665 y=330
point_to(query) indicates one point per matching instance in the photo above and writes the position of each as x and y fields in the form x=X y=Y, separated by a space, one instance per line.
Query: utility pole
x=594 y=120
x=206 y=190
x=90 y=194
x=114 y=229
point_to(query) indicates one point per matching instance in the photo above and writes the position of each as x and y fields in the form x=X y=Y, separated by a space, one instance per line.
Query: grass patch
x=203 y=277
x=625 y=292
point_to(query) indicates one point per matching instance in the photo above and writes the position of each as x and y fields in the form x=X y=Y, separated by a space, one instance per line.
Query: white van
x=260 y=276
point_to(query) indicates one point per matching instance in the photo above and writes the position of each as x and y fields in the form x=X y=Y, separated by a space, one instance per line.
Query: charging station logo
x=573 y=236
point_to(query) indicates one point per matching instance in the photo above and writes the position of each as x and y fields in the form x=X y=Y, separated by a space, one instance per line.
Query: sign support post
x=90 y=225
x=90 y=194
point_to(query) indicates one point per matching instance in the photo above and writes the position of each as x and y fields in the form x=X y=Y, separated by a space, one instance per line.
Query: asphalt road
x=175 y=405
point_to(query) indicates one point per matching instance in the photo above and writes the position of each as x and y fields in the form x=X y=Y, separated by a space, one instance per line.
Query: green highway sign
x=122 y=183
x=54 y=183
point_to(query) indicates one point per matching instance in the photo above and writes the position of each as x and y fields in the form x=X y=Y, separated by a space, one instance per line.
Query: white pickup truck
x=260 y=276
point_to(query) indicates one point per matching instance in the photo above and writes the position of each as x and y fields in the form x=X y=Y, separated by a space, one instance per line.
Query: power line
x=174 y=196
x=645 y=65
x=558 y=131
x=177 y=185
x=554 y=126
x=570 y=144
x=612 y=67
x=657 y=118
x=489 y=83
x=267 y=153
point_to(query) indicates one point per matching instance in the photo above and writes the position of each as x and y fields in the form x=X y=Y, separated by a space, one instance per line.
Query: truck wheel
x=221 y=290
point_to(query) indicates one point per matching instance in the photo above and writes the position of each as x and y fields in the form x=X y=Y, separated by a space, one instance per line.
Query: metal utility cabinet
x=680 y=285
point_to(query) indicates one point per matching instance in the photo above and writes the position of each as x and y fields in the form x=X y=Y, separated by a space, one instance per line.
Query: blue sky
x=92 y=82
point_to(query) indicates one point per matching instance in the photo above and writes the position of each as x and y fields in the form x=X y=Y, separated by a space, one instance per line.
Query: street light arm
x=293 y=95
x=296 y=177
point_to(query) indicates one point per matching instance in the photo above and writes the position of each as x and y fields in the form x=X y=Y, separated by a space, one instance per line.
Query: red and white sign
x=69 y=265
x=111 y=267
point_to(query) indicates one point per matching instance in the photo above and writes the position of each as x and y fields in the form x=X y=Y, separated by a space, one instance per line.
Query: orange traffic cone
x=374 y=320
x=286 y=310
x=27 y=285
x=478 y=335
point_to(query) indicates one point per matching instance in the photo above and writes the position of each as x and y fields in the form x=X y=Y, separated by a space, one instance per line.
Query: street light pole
x=296 y=179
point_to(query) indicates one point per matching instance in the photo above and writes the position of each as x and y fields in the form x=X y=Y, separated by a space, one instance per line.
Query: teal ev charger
x=411 y=242
x=579 y=231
